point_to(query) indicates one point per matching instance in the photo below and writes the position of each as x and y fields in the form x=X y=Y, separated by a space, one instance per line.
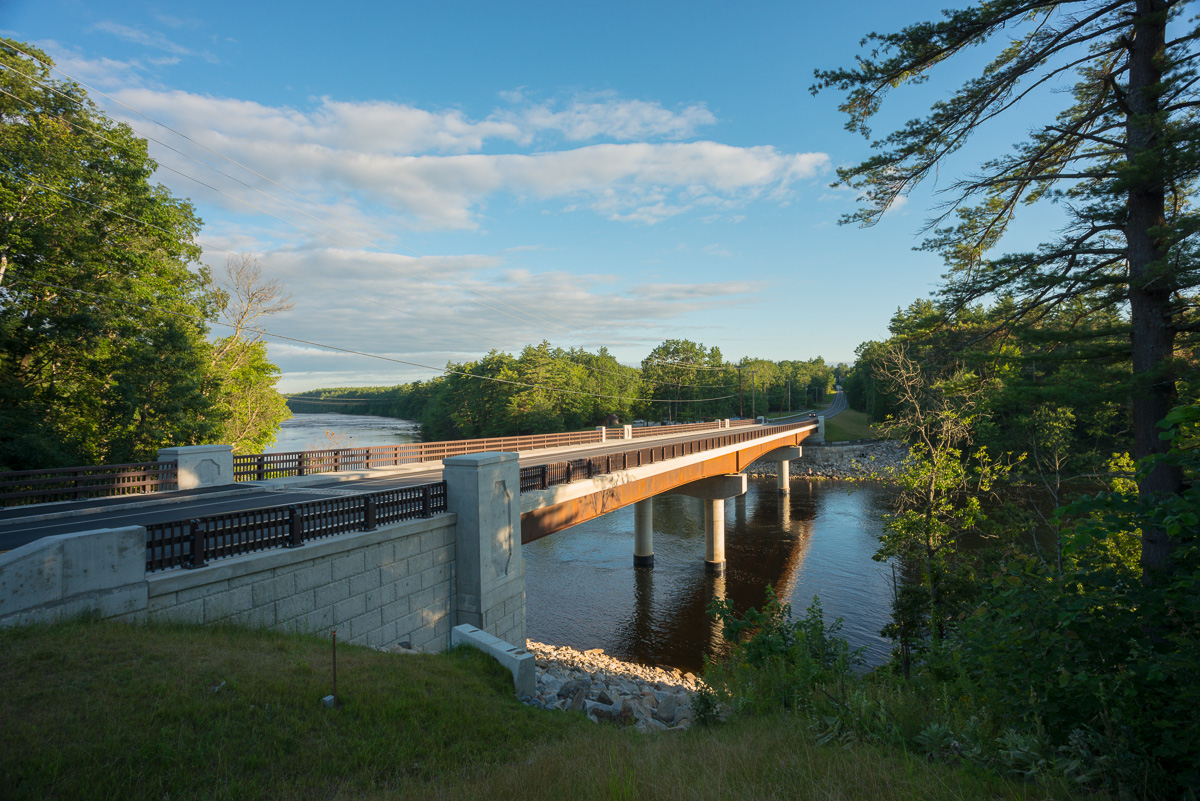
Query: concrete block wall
x=69 y=574
x=375 y=588
x=406 y=582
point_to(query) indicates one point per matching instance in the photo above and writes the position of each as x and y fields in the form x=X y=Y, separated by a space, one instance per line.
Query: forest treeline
x=547 y=389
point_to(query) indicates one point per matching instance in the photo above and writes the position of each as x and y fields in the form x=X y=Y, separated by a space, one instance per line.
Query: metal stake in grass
x=330 y=701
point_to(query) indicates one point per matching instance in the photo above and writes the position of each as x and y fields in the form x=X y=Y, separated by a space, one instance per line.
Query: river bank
x=606 y=689
x=847 y=461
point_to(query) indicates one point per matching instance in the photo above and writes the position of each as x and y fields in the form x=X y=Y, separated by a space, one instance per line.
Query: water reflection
x=582 y=589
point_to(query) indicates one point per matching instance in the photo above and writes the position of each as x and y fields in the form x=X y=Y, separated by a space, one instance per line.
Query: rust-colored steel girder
x=541 y=522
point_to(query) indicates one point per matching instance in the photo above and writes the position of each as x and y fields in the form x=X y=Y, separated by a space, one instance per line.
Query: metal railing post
x=295 y=527
x=197 y=533
x=303 y=466
x=369 y=515
x=426 y=502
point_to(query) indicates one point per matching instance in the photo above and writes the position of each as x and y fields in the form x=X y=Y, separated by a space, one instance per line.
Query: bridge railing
x=683 y=428
x=23 y=487
x=262 y=466
x=544 y=476
x=195 y=542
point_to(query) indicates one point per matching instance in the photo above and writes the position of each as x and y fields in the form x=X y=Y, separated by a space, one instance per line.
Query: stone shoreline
x=867 y=461
x=606 y=689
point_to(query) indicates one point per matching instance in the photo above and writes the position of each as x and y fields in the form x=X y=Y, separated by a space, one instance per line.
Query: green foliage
x=575 y=389
x=1118 y=281
x=251 y=407
x=102 y=348
x=1092 y=658
x=777 y=662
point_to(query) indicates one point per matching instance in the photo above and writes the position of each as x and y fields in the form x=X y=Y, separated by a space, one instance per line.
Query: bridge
x=381 y=552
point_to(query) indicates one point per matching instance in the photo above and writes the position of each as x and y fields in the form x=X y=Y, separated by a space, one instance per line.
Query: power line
x=693 y=366
x=265 y=333
x=271 y=180
x=113 y=211
x=415 y=316
x=221 y=192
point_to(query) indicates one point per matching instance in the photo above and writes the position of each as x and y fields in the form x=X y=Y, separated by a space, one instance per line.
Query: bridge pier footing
x=643 y=533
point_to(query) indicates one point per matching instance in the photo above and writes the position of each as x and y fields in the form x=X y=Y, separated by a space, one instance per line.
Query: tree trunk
x=1150 y=280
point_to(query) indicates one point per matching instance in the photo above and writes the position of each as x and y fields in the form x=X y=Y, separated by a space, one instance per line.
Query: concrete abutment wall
x=405 y=582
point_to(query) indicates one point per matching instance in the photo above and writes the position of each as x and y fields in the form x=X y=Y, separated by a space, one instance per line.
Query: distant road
x=837 y=406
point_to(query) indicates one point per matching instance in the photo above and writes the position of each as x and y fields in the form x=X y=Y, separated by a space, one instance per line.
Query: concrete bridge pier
x=783 y=463
x=643 y=533
x=714 y=536
x=714 y=491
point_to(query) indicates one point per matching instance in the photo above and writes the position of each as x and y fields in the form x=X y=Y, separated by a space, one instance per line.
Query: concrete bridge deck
x=26 y=524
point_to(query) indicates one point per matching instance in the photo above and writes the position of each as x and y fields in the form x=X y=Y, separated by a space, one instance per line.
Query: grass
x=849 y=425
x=98 y=710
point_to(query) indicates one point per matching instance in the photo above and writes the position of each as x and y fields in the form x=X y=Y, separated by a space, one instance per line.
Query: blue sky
x=433 y=180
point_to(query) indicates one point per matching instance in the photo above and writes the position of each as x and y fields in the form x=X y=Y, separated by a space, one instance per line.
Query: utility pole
x=741 y=410
x=789 y=396
x=753 y=397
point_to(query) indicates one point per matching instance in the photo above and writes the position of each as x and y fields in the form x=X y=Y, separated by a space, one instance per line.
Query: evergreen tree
x=1120 y=158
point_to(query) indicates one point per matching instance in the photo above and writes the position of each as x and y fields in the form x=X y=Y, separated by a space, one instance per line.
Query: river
x=582 y=589
x=315 y=432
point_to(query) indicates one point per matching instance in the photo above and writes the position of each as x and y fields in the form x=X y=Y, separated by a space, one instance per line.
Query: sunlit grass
x=96 y=710
x=849 y=425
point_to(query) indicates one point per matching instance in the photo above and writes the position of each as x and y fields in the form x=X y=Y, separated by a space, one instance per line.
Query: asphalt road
x=244 y=496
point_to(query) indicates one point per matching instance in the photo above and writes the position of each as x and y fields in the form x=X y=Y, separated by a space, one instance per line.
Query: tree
x=1121 y=160
x=939 y=486
x=245 y=379
x=102 y=338
x=680 y=371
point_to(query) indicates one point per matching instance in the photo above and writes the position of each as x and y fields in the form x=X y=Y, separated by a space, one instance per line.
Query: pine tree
x=1121 y=160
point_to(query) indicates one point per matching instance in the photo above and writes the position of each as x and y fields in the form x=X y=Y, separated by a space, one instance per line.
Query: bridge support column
x=643 y=533
x=820 y=437
x=713 y=491
x=783 y=464
x=714 y=536
x=484 y=491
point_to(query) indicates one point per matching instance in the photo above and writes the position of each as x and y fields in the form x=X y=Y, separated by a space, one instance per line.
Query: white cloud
x=152 y=39
x=424 y=170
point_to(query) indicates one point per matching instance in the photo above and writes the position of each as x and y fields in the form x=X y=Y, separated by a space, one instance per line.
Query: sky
x=432 y=181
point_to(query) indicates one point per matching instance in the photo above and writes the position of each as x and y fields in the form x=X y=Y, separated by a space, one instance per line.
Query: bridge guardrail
x=545 y=476
x=262 y=466
x=22 y=487
x=179 y=543
x=682 y=428
x=173 y=544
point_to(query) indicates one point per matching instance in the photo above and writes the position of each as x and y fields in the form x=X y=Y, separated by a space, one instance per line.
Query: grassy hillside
x=849 y=425
x=97 y=710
